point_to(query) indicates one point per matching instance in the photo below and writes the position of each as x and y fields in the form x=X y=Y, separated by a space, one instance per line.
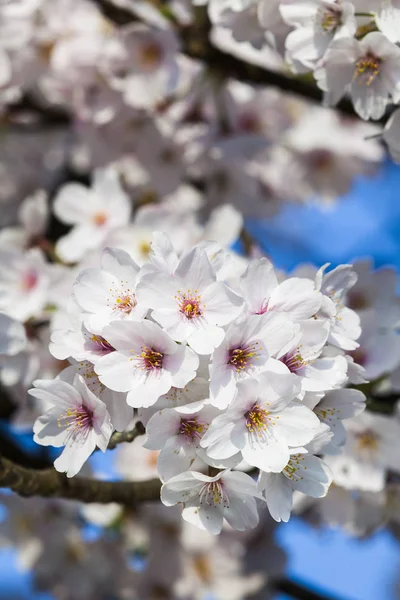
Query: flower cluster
x=221 y=369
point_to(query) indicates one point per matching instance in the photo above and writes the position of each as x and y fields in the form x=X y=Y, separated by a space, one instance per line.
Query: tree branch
x=49 y=483
x=118 y=437
x=196 y=44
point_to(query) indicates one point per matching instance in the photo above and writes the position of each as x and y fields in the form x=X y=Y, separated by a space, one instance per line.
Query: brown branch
x=49 y=483
x=118 y=437
x=196 y=44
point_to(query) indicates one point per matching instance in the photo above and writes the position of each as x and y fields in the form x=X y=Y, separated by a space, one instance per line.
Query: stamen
x=76 y=418
x=241 y=358
x=257 y=419
x=191 y=429
x=151 y=359
x=189 y=304
x=102 y=344
x=100 y=219
x=213 y=493
x=294 y=361
x=290 y=471
x=367 y=69
x=329 y=20
x=368 y=441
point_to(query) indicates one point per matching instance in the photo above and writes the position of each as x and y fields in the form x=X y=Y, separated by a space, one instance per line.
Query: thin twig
x=118 y=437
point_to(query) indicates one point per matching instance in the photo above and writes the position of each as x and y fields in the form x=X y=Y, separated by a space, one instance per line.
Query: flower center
x=290 y=471
x=241 y=358
x=189 y=304
x=191 y=429
x=100 y=219
x=213 y=493
x=367 y=69
x=151 y=359
x=294 y=361
x=368 y=441
x=257 y=419
x=29 y=281
x=125 y=303
x=151 y=54
x=330 y=20
x=76 y=418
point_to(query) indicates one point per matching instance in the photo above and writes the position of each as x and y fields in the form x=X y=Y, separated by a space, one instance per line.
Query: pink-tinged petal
x=56 y=392
x=257 y=285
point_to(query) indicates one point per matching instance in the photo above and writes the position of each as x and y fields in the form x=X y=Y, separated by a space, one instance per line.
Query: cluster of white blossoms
x=221 y=369
x=350 y=46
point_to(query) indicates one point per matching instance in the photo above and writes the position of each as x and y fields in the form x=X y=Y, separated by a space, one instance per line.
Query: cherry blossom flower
x=24 y=283
x=317 y=23
x=77 y=420
x=369 y=69
x=177 y=433
x=302 y=357
x=245 y=352
x=304 y=472
x=207 y=501
x=262 y=292
x=191 y=305
x=146 y=363
x=371 y=449
x=93 y=212
x=109 y=293
x=262 y=422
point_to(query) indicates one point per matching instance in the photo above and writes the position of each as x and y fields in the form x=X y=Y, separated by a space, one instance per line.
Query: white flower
x=369 y=69
x=302 y=357
x=208 y=500
x=177 y=433
x=109 y=293
x=304 y=473
x=78 y=420
x=317 y=23
x=245 y=352
x=345 y=323
x=334 y=407
x=372 y=448
x=24 y=283
x=146 y=362
x=262 y=422
x=388 y=18
x=262 y=292
x=191 y=305
x=121 y=414
x=93 y=212
x=12 y=336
